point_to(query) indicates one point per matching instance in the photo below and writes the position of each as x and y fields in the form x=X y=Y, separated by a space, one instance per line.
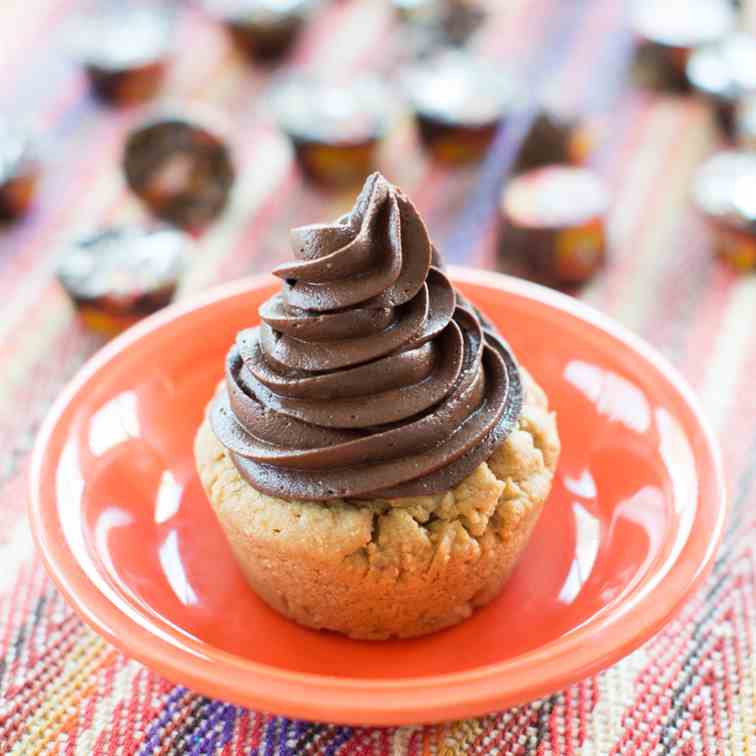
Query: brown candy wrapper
x=335 y=128
x=553 y=223
x=454 y=144
x=119 y=275
x=17 y=195
x=263 y=42
x=261 y=30
x=724 y=72
x=127 y=87
x=20 y=170
x=724 y=193
x=336 y=165
x=459 y=101
x=737 y=248
x=557 y=137
x=669 y=31
x=125 y=49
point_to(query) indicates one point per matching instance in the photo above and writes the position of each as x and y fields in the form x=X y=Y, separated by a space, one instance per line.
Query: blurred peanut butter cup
x=125 y=49
x=724 y=193
x=554 y=223
x=181 y=168
x=459 y=101
x=335 y=128
x=119 y=274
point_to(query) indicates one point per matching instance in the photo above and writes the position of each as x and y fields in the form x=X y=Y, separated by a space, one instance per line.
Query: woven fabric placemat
x=65 y=690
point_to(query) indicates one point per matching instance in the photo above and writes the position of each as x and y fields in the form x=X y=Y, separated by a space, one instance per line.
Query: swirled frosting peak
x=369 y=376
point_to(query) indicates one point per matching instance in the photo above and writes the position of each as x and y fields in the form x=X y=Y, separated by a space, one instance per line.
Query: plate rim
x=408 y=700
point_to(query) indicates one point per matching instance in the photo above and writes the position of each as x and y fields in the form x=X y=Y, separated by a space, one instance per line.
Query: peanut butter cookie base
x=389 y=567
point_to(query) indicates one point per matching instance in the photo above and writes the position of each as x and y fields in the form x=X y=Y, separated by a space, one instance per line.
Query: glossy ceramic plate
x=629 y=531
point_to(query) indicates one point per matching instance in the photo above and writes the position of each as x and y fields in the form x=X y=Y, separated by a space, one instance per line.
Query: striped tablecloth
x=65 y=690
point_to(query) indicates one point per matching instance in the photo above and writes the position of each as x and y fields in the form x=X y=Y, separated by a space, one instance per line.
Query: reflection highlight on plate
x=114 y=423
x=619 y=400
x=587 y=540
x=173 y=568
x=168 y=497
x=614 y=396
x=583 y=486
x=70 y=487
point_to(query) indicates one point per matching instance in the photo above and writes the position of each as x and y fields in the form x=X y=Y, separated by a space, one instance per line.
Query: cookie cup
x=381 y=568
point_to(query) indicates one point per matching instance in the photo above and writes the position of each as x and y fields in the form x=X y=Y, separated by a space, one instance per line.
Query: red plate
x=629 y=531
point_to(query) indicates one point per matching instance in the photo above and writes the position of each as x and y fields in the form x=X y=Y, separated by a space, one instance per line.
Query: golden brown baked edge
x=374 y=569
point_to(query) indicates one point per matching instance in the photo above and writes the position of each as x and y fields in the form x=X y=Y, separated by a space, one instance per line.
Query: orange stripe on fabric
x=42 y=728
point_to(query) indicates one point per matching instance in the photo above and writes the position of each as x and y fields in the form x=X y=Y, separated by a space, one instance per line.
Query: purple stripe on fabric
x=283 y=748
x=605 y=90
x=269 y=736
x=299 y=728
x=203 y=738
x=153 y=734
x=226 y=719
x=613 y=67
x=343 y=735
x=479 y=210
x=229 y=721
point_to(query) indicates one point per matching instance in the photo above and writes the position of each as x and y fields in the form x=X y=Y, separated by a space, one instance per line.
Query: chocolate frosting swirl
x=369 y=376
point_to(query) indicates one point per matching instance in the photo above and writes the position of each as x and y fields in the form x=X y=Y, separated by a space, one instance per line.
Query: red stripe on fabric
x=257 y=729
x=569 y=718
x=241 y=728
x=111 y=735
x=662 y=678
